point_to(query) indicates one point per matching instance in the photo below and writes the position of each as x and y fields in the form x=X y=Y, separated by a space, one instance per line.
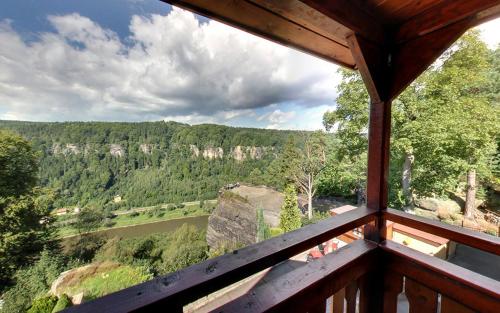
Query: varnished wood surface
x=468 y=237
x=476 y=291
x=256 y=20
x=307 y=288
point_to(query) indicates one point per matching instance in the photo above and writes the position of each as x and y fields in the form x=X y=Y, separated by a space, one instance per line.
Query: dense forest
x=146 y=163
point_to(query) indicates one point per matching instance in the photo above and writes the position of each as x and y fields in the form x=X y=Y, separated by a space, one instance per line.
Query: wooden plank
x=411 y=58
x=370 y=291
x=338 y=301
x=450 y=306
x=347 y=13
x=189 y=284
x=266 y=24
x=351 y=294
x=393 y=286
x=441 y=15
x=462 y=235
x=307 y=17
x=479 y=292
x=308 y=286
x=420 y=298
x=371 y=61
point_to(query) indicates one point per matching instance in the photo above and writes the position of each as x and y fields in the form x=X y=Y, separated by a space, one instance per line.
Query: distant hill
x=89 y=163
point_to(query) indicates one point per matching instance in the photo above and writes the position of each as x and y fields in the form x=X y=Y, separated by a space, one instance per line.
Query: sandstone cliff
x=233 y=221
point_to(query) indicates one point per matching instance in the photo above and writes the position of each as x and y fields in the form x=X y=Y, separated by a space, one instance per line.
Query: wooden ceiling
x=396 y=30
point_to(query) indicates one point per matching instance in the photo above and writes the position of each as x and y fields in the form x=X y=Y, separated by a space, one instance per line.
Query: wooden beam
x=462 y=235
x=189 y=284
x=256 y=20
x=307 y=17
x=476 y=291
x=307 y=288
x=347 y=13
x=441 y=15
x=411 y=58
x=371 y=61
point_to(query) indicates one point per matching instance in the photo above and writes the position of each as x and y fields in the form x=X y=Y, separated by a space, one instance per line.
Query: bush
x=43 y=305
x=32 y=282
x=134 y=214
x=63 y=303
x=171 y=207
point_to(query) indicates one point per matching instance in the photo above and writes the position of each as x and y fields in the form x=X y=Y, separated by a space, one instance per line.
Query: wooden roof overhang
x=395 y=39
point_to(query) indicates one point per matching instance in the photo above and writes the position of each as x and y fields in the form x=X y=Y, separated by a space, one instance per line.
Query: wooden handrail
x=306 y=288
x=474 y=290
x=177 y=289
x=462 y=235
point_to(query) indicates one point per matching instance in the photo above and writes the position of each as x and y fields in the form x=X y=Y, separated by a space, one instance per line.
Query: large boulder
x=433 y=204
x=233 y=222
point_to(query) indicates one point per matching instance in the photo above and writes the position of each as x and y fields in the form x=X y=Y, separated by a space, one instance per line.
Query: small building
x=117 y=199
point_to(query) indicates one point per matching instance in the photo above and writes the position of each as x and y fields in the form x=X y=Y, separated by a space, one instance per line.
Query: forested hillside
x=146 y=163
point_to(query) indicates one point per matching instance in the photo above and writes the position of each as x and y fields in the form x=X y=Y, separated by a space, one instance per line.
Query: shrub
x=134 y=214
x=43 y=305
x=63 y=303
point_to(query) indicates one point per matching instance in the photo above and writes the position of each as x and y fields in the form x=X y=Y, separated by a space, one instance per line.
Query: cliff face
x=232 y=222
x=234 y=219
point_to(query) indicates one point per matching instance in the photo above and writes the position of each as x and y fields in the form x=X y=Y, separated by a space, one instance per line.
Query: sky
x=142 y=60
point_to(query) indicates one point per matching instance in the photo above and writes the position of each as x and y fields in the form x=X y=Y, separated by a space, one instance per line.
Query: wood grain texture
x=440 y=16
x=307 y=287
x=420 y=298
x=479 y=292
x=393 y=286
x=450 y=306
x=462 y=235
x=194 y=282
x=266 y=24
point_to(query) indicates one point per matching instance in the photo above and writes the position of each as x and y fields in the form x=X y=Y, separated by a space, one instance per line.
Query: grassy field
x=99 y=279
x=145 y=215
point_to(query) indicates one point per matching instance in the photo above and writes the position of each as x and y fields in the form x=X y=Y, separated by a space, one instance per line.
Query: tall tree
x=310 y=164
x=460 y=91
x=24 y=208
x=290 y=212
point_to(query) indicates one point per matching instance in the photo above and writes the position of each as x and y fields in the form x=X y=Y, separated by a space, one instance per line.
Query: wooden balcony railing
x=363 y=274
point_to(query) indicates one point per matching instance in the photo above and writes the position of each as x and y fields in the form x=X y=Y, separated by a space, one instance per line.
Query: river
x=144 y=229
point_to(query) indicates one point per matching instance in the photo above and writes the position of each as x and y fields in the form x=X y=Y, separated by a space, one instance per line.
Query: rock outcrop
x=213 y=153
x=116 y=150
x=146 y=148
x=233 y=222
x=65 y=149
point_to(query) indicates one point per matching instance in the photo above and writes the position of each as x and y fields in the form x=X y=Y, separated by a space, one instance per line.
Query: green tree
x=310 y=164
x=88 y=219
x=345 y=169
x=263 y=230
x=290 y=212
x=33 y=282
x=24 y=208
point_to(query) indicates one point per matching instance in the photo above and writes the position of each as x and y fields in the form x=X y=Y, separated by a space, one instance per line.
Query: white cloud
x=172 y=67
x=490 y=33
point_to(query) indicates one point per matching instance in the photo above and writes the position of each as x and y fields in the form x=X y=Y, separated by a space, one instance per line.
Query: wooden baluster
x=420 y=298
x=338 y=301
x=321 y=308
x=451 y=306
x=371 y=292
x=393 y=286
x=351 y=293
